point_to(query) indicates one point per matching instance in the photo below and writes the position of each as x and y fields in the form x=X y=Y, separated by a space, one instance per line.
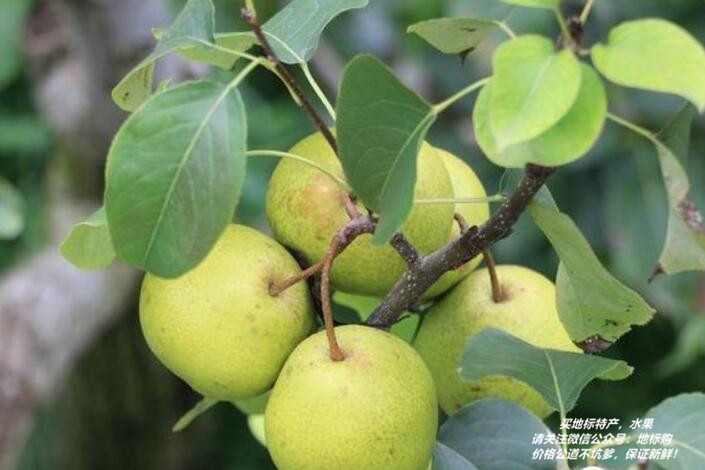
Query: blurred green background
x=115 y=408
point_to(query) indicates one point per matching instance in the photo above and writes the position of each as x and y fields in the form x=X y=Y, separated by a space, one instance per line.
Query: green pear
x=217 y=327
x=375 y=410
x=256 y=425
x=305 y=210
x=528 y=311
x=466 y=184
x=254 y=405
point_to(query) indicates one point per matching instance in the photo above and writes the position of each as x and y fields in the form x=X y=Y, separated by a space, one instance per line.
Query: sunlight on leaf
x=656 y=55
x=88 y=245
x=533 y=87
x=566 y=141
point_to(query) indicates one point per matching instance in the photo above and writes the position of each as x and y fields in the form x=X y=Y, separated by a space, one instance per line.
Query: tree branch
x=418 y=278
x=251 y=20
x=405 y=249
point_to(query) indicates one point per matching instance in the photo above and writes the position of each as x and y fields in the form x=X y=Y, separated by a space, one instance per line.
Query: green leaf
x=12 y=211
x=295 y=30
x=194 y=26
x=532 y=89
x=682 y=416
x=199 y=408
x=225 y=54
x=592 y=304
x=453 y=35
x=445 y=458
x=656 y=55
x=13 y=14
x=381 y=125
x=559 y=376
x=684 y=248
x=174 y=175
x=88 y=245
x=569 y=139
x=547 y=4
x=495 y=434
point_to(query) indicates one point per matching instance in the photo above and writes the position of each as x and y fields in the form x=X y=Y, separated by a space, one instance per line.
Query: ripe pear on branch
x=305 y=208
x=374 y=409
x=526 y=309
x=218 y=327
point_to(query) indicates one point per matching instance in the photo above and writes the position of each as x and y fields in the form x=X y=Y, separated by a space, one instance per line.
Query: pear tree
x=368 y=210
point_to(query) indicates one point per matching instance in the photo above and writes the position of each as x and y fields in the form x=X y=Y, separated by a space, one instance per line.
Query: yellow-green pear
x=217 y=327
x=305 y=210
x=256 y=425
x=466 y=184
x=374 y=410
x=254 y=405
x=527 y=310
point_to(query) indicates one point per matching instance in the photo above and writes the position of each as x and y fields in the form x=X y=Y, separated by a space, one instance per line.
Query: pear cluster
x=223 y=330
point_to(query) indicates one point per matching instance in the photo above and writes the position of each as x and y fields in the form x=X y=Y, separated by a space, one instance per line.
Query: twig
x=462 y=223
x=415 y=281
x=277 y=288
x=350 y=206
x=405 y=249
x=586 y=11
x=497 y=294
x=345 y=236
x=251 y=20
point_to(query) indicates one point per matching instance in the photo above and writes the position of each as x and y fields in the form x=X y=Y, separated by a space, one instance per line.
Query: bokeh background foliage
x=117 y=405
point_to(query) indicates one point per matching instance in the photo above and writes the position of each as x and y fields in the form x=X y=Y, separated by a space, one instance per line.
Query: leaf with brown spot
x=684 y=248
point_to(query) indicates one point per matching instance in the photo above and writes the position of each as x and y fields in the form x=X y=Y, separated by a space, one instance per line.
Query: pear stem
x=350 y=206
x=336 y=354
x=462 y=223
x=497 y=294
x=345 y=236
x=277 y=288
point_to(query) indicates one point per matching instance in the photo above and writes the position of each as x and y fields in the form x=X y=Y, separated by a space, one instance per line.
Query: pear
x=254 y=405
x=375 y=410
x=527 y=310
x=217 y=327
x=305 y=210
x=465 y=184
x=256 y=425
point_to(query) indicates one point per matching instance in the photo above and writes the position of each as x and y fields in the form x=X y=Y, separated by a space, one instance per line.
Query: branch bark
x=419 y=277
